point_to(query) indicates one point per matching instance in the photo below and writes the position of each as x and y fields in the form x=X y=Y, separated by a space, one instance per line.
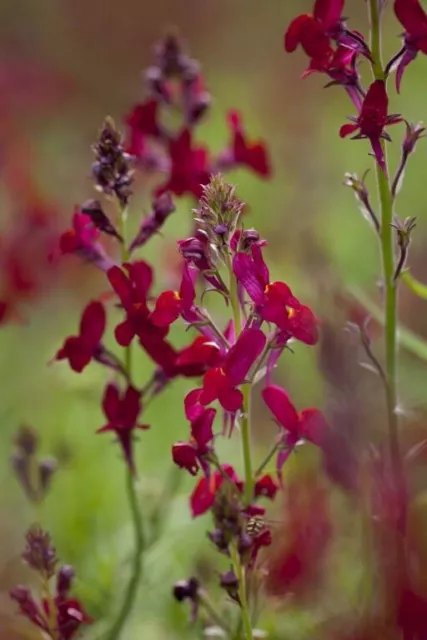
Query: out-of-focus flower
x=79 y=350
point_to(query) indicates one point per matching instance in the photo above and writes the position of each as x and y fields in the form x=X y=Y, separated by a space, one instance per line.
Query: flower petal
x=124 y=333
x=328 y=12
x=120 y=284
x=111 y=403
x=231 y=399
x=247 y=274
x=313 y=426
x=130 y=407
x=167 y=309
x=201 y=429
x=184 y=455
x=294 y=32
x=277 y=400
x=243 y=354
x=348 y=129
x=93 y=322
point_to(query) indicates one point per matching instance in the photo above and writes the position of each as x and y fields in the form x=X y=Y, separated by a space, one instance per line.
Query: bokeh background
x=63 y=67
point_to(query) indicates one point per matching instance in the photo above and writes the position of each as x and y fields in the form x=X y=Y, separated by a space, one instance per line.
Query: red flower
x=266 y=487
x=81 y=236
x=171 y=304
x=309 y=424
x=203 y=496
x=70 y=616
x=133 y=289
x=274 y=302
x=189 y=455
x=313 y=32
x=201 y=354
x=122 y=413
x=189 y=167
x=252 y=155
x=220 y=383
x=372 y=119
x=414 y=20
x=79 y=350
x=142 y=120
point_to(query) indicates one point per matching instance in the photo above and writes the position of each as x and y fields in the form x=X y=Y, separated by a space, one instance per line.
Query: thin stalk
x=388 y=261
x=241 y=577
x=246 y=388
x=135 y=578
x=266 y=460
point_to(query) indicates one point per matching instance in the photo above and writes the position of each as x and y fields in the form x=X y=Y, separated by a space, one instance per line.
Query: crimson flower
x=82 y=239
x=82 y=234
x=266 y=487
x=372 y=119
x=309 y=424
x=203 y=495
x=414 y=20
x=70 y=615
x=133 y=288
x=171 y=304
x=313 y=32
x=220 y=383
x=274 y=302
x=250 y=154
x=189 y=455
x=142 y=121
x=122 y=411
x=201 y=354
x=189 y=167
x=80 y=349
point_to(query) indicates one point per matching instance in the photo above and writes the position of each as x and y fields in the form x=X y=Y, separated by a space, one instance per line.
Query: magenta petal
x=187 y=290
x=202 y=497
x=246 y=273
x=201 y=429
x=328 y=12
x=231 y=399
x=243 y=354
x=93 y=321
x=313 y=426
x=260 y=264
x=277 y=400
x=191 y=404
x=184 y=455
x=406 y=59
x=131 y=406
x=111 y=402
x=124 y=333
x=347 y=129
x=142 y=277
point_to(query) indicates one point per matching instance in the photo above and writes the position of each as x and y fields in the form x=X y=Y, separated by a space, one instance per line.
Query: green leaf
x=415 y=286
x=406 y=338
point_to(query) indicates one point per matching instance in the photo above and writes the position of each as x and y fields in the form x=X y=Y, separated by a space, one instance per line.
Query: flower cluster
x=335 y=51
x=57 y=614
x=176 y=85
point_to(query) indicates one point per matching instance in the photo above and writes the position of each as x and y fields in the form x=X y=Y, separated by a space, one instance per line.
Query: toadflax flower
x=309 y=424
x=190 y=455
x=413 y=18
x=220 y=383
x=241 y=152
x=122 y=411
x=273 y=301
x=132 y=287
x=79 y=350
x=372 y=119
x=189 y=167
x=171 y=304
x=313 y=32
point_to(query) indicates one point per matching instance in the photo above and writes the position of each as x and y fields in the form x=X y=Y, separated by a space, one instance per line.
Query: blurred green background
x=63 y=67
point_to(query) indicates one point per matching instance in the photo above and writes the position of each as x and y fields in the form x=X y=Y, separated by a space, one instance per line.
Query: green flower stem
x=266 y=460
x=246 y=389
x=388 y=261
x=239 y=570
x=135 y=578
